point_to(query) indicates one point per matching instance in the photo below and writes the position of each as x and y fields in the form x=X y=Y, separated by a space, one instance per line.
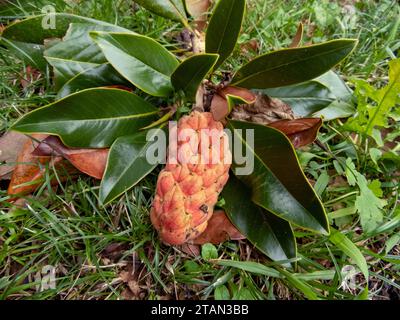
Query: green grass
x=94 y=248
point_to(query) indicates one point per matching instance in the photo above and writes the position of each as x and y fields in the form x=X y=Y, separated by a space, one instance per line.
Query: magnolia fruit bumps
x=188 y=187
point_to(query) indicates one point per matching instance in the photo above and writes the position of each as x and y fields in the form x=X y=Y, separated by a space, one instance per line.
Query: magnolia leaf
x=198 y=10
x=11 y=144
x=98 y=76
x=298 y=37
x=30 y=53
x=226 y=98
x=300 y=131
x=26 y=38
x=78 y=53
x=219 y=229
x=127 y=164
x=89 y=161
x=83 y=118
x=189 y=74
x=224 y=28
x=290 y=66
x=276 y=179
x=30 y=170
x=326 y=96
x=270 y=234
x=141 y=60
x=170 y=9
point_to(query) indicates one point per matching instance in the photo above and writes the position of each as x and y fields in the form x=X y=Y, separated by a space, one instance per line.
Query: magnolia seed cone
x=188 y=187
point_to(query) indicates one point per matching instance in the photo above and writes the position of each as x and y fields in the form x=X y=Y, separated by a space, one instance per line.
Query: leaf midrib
x=195 y=75
x=101 y=120
x=141 y=153
x=256 y=155
x=225 y=27
x=285 y=64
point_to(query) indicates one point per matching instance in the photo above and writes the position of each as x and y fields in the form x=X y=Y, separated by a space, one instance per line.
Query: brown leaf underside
x=11 y=144
x=300 y=131
x=30 y=170
x=219 y=105
x=89 y=161
x=219 y=229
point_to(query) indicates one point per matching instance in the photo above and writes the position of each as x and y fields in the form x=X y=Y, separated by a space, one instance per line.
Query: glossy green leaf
x=290 y=66
x=270 y=234
x=141 y=60
x=98 y=76
x=305 y=98
x=336 y=85
x=127 y=164
x=277 y=181
x=350 y=249
x=91 y=118
x=170 y=9
x=189 y=74
x=26 y=38
x=30 y=30
x=337 y=109
x=78 y=52
x=224 y=28
x=326 y=96
x=30 y=53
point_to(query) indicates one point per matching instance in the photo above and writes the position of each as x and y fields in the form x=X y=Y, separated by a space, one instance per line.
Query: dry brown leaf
x=264 y=111
x=243 y=93
x=300 y=131
x=219 y=229
x=89 y=161
x=190 y=249
x=30 y=170
x=198 y=10
x=114 y=251
x=29 y=76
x=192 y=42
x=11 y=144
x=199 y=104
x=298 y=37
x=219 y=105
x=250 y=46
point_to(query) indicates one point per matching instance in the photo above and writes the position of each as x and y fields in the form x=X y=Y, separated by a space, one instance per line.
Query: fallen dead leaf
x=30 y=170
x=219 y=107
x=192 y=42
x=29 y=76
x=219 y=104
x=89 y=161
x=114 y=251
x=198 y=10
x=263 y=111
x=298 y=36
x=190 y=249
x=300 y=131
x=11 y=144
x=219 y=229
x=250 y=46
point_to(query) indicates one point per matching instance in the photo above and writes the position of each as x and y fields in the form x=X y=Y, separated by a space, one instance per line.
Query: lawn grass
x=113 y=252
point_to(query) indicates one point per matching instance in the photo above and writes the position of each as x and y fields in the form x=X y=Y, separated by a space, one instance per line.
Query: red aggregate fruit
x=197 y=169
